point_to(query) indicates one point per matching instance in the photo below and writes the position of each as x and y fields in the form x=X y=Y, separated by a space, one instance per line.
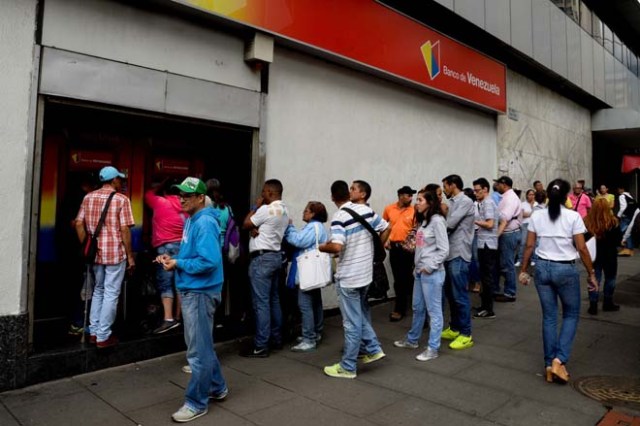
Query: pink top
x=510 y=210
x=582 y=206
x=168 y=218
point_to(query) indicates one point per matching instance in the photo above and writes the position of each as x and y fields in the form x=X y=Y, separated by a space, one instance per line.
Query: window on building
x=570 y=7
x=633 y=63
x=618 y=48
x=586 y=19
x=607 y=38
x=596 y=29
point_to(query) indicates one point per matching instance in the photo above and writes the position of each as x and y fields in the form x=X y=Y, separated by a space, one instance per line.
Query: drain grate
x=611 y=390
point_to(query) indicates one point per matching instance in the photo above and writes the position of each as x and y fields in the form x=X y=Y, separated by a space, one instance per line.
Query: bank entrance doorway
x=78 y=140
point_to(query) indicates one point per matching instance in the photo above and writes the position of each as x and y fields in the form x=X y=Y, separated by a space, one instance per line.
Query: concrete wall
x=551 y=137
x=112 y=30
x=17 y=31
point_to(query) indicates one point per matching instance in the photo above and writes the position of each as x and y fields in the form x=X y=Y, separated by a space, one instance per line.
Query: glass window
x=633 y=63
x=570 y=7
x=617 y=48
x=607 y=38
x=596 y=29
x=586 y=20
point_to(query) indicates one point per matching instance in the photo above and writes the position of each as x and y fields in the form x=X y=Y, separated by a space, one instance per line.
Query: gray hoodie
x=432 y=245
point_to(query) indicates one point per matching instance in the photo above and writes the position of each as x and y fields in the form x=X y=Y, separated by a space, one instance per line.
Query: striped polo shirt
x=355 y=264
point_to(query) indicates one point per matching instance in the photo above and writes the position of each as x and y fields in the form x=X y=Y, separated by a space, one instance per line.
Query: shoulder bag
x=90 y=243
x=314 y=267
x=380 y=284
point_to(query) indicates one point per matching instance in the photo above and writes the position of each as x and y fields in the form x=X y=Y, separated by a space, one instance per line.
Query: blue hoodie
x=199 y=263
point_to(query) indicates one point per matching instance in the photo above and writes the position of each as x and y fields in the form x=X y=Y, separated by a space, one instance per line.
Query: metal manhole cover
x=611 y=390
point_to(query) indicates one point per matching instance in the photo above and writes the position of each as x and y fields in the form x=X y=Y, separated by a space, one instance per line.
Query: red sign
x=371 y=34
x=89 y=160
x=630 y=163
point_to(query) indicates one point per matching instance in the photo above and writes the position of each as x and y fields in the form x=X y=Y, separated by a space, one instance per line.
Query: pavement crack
x=106 y=402
x=11 y=413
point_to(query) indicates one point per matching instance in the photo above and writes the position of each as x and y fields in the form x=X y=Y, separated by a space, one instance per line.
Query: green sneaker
x=462 y=342
x=449 y=334
x=368 y=358
x=336 y=370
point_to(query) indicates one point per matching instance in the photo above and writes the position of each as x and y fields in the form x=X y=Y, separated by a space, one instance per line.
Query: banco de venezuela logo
x=431 y=54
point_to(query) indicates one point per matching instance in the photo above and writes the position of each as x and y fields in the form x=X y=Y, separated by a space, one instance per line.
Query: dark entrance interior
x=608 y=149
x=77 y=142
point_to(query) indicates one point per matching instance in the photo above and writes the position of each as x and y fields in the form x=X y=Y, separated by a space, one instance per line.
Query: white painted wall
x=113 y=30
x=325 y=122
x=551 y=139
x=17 y=30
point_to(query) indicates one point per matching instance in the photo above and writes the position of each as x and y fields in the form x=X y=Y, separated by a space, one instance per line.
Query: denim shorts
x=165 y=279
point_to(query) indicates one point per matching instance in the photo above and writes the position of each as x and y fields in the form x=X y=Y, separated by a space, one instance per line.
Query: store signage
x=172 y=166
x=378 y=37
x=89 y=160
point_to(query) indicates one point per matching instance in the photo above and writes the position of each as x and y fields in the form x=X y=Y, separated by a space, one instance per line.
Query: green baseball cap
x=192 y=185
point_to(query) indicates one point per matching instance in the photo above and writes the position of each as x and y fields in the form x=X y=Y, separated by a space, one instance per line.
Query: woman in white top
x=528 y=205
x=432 y=248
x=557 y=230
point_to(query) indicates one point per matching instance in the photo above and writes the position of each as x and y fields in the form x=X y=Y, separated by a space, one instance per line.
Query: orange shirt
x=400 y=219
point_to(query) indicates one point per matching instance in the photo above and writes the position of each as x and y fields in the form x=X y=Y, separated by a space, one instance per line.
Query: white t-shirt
x=271 y=220
x=555 y=239
x=355 y=265
x=527 y=209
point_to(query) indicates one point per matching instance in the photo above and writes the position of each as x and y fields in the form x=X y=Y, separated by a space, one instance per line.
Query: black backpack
x=632 y=205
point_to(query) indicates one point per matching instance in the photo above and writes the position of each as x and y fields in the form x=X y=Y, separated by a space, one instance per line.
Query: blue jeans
x=507 y=246
x=206 y=376
x=625 y=222
x=104 y=303
x=165 y=279
x=553 y=281
x=310 y=304
x=356 y=321
x=610 y=270
x=455 y=290
x=264 y=273
x=427 y=298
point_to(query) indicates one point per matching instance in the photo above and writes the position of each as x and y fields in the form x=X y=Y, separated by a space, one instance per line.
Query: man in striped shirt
x=114 y=251
x=354 y=244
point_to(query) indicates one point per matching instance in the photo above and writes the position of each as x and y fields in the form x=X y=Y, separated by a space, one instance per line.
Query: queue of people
x=432 y=245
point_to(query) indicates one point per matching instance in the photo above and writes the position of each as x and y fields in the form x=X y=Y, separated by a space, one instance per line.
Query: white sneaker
x=303 y=347
x=186 y=414
x=533 y=263
x=186 y=369
x=427 y=355
x=517 y=264
x=404 y=343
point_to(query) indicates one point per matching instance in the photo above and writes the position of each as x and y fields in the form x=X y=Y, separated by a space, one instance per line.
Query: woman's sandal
x=395 y=317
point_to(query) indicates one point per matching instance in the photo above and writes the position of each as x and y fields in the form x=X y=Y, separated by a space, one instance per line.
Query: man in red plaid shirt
x=114 y=251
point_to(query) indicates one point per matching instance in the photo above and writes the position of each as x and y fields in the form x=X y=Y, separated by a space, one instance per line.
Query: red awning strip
x=630 y=163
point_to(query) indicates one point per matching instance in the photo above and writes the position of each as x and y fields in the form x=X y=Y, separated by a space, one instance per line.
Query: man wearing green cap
x=199 y=278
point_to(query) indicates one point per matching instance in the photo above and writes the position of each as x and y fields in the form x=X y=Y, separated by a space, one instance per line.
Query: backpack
x=632 y=205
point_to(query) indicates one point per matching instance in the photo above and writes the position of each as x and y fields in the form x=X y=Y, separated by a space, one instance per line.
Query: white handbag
x=314 y=268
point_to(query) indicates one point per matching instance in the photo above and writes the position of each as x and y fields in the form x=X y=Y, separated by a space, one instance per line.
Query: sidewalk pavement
x=497 y=382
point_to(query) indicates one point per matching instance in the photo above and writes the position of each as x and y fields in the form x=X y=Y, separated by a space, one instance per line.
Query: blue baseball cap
x=109 y=173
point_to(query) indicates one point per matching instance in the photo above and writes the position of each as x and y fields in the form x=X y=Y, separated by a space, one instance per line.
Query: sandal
x=395 y=317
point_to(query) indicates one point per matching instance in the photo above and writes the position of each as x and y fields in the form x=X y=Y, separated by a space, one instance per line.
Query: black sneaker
x=254 y=352
x=166 y=326
x=484 y=314
x=503 y=298
x=221 y=396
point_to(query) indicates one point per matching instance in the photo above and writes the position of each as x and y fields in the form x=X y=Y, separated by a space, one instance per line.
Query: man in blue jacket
x=199 y=278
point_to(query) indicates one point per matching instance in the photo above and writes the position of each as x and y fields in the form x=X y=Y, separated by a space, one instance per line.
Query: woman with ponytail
x=560 y=234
